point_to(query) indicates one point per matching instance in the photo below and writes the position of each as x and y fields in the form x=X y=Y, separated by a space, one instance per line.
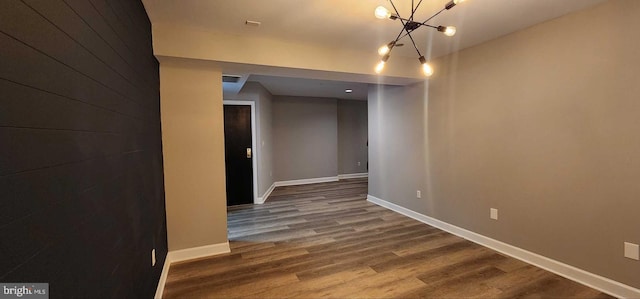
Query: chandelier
x=408 y=26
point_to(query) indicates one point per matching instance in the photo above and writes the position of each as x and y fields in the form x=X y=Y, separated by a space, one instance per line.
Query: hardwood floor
x=325 y=240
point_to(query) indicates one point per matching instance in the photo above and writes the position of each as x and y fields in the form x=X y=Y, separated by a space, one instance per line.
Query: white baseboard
x=264 y=197
x=163 y=278
x=306 y=181
x=198 y=252
x=595 y=281
x=353 y=176
x=187 y=254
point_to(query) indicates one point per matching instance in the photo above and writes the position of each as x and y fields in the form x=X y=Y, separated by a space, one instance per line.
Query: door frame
x=254 y=161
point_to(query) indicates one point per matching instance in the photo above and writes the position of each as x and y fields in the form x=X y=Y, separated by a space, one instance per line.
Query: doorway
x=240 y=152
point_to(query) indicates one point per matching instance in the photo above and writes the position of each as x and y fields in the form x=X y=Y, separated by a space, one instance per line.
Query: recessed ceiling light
x=348 y=90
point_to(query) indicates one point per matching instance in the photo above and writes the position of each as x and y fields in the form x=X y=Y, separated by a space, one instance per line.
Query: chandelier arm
x=404 y=25
x=399 y=34
x=397 y=13
x=425 y=22
x=427 y=25
x=414 y=43
x=412 y=11
x=421 y=24
x=416 y=8
x=396 y=40
x=433 y=16
x=403 y=19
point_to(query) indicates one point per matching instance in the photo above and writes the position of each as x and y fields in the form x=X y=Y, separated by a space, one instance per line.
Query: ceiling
x=351 y=24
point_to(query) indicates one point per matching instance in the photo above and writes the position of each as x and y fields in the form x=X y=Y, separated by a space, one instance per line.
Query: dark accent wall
x=81 y=179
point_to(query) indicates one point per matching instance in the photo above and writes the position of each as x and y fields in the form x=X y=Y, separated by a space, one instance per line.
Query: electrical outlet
x=270 y=174
x=632 y=251
x=153 y=257
x=358 y=163
x=418 y=194
x=493 y=214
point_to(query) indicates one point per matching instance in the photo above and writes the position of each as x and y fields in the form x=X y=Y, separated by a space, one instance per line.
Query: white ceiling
x=351 y=24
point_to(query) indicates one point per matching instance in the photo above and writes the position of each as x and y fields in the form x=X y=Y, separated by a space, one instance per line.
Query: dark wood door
x=238 y=154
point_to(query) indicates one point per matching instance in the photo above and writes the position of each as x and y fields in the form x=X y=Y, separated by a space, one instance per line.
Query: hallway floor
x=326 y=241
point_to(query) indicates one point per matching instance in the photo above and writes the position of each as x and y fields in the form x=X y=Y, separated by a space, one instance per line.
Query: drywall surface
x=352 y=137
x=539 y=124
x=305 y=138
x=397 y=144
x=193 y=144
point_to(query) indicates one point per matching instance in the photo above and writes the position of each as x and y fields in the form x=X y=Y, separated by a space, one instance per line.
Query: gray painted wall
x=540 y=124
x=303 y=138
x=352 y=136
x=305 y=134
x=397 y=144
x=255 y=92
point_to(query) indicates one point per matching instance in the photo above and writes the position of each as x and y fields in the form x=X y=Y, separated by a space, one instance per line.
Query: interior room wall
x=305 y=138
x=397 y=143
x=352 y=137
x=81 y=175
x=193 y=145
x=538 y=124
x=255 y=92
x=349 y=119
x=177 y=40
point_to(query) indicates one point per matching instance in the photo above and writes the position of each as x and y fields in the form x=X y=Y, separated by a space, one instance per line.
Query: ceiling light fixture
x=408 y=26
x=348 y=90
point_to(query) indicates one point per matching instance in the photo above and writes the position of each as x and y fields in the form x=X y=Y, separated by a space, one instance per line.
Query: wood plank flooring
x=326 y=241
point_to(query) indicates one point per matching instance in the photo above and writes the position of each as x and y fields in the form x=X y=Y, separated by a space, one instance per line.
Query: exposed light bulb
x=380 y=64
x=450 y=31
x=379 y=67
x=382 y=13
x=427 y=69
x=452 y=3
x=384 y=50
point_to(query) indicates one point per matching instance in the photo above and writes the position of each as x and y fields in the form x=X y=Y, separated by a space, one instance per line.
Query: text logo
x=24 y=290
